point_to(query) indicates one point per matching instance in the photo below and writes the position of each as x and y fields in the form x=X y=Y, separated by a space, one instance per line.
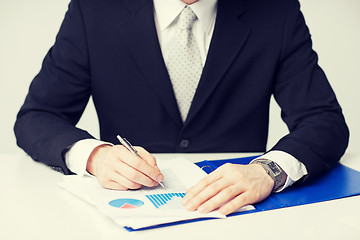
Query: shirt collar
x=167 y=11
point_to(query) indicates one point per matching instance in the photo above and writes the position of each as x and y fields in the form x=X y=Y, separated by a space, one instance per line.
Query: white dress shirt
x=166 y=14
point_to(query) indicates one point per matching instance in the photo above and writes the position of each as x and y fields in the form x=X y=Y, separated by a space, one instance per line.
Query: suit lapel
x=139 y=32
x=229 y=36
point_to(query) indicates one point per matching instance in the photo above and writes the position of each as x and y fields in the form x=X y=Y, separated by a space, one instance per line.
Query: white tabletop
x=32 y=206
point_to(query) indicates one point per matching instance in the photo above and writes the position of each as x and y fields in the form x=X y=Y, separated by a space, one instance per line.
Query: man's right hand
x=117 y=168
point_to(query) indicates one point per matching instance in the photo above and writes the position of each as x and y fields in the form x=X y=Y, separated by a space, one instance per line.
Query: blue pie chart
x=126 y=203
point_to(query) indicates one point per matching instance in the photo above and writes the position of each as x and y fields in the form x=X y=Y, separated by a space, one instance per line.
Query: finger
x=133 y=175
x=236 y=203
x=205 y=194
x=124 y=181
x=151 y=160
x=152 y=174
x=224 y=196
x=113 y=186
x=145 y=155
x=120 y=185
x=201 y=185
x=110 y=176
x=115 y=181
x=110 y=179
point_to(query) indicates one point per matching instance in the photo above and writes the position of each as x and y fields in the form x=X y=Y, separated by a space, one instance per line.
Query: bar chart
x=169 y=200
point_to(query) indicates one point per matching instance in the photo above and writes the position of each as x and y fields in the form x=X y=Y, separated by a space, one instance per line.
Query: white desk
x=32 y=206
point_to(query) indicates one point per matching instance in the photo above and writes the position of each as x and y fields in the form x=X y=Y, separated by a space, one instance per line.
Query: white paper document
x=147 y=206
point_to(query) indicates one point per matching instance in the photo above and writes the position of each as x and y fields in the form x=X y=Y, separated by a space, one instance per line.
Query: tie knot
x=187 y=18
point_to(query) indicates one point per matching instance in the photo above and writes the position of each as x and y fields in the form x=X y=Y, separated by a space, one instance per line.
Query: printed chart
x=166 y=200
x=126 y=203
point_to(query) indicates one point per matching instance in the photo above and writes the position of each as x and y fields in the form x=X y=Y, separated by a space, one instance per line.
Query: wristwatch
x=274 y=171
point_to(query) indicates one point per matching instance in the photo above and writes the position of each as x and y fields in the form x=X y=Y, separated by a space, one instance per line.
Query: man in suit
x=121 y=53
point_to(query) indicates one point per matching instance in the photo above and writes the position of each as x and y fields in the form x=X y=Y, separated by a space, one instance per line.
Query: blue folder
x=340 y=182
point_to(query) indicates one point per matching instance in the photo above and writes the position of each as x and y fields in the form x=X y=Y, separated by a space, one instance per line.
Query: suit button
x=185 y=143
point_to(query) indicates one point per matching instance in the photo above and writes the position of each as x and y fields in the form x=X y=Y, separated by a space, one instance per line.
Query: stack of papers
x=137 y=209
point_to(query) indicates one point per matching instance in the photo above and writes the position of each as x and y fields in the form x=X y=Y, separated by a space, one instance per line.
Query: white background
x=28 y=30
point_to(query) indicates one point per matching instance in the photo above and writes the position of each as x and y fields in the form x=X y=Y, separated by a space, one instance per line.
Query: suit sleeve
x=45 y=125
x=318 y=133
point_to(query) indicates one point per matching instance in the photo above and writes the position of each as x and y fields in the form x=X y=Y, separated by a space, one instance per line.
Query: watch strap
x=274 y=171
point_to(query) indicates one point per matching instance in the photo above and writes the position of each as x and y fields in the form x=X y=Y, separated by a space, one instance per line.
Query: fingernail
x=223 y=210
x=160 y=178
x=188 y=207
x=202 y=209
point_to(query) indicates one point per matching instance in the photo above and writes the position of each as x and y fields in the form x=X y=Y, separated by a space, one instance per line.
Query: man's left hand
x=229 y=188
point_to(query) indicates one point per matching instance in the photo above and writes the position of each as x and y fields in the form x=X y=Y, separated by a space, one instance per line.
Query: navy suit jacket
x=108 y=49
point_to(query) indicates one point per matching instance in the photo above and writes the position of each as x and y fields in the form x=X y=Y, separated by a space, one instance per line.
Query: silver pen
x=129 y=147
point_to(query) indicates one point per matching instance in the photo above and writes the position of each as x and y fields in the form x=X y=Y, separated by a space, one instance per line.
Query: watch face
x=274 y=168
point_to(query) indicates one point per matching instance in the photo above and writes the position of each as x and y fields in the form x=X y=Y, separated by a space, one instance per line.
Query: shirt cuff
x=291 y=166
x=78 y=154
